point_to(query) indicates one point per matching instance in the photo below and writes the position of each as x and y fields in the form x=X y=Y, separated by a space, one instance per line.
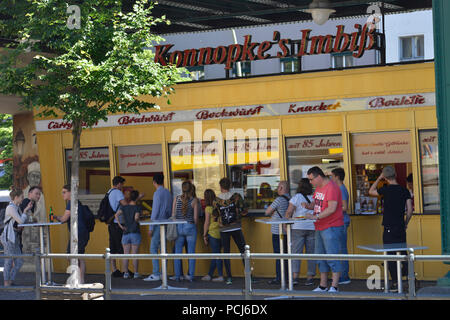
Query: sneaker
x=152 y=277
x=126 y=275
x=130 y=273
x=117 y=274
x=229 y=281
x=136 y=275
x=333 y=289
x=218 y=279
x=319 y=289
x=188 y=278
x=345 y=281
x=394 y=288
x=309 y=282
x=294 y=282
x=206 y=278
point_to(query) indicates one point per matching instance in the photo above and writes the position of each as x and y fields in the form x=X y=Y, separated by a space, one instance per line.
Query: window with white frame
x=342 y=60
x=289 y=65
x=412 y=48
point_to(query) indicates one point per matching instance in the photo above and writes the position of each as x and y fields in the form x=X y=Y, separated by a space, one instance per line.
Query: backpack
x=105 y=213
x=228 y=210
x=88 y=217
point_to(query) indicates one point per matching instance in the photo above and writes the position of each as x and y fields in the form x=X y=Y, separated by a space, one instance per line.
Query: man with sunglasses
x=329 y=224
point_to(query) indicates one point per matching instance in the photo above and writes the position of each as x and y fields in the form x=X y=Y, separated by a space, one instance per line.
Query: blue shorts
x=131 y=238
x=329 y=241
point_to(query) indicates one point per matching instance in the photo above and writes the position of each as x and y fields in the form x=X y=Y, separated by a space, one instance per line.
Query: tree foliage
x=6 y=150
x=102 y=66
x=87 y=73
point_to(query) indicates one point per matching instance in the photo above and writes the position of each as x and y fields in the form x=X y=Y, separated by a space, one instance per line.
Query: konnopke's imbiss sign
x=265 y=110
x=364 y=38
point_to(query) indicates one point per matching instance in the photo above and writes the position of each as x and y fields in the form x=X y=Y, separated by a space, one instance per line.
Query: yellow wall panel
x=304 y=87
x=313 y=125
x=431 y=237
x=245 y=124
x=376 y=121
x=365 y=230
x=89 y=138
x=426 y=118
x=137 y=135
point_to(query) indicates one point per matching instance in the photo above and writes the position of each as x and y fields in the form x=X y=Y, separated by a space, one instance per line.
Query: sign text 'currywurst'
x=362 y=39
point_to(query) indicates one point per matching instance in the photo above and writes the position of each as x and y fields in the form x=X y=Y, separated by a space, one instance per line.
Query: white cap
x=34 y=166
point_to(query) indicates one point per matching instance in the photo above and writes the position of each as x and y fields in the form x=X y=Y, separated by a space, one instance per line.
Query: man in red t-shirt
x=329 y=224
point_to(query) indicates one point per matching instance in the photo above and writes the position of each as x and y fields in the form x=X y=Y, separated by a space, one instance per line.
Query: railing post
x=411 y=274
x=37 y=263
x=107 y=275
x=248 y=273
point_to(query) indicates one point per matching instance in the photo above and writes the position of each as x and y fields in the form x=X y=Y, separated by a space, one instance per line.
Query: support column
x=441 y=25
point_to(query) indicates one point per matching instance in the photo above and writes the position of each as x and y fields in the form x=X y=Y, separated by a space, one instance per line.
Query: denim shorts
x=131 y=238
x=329 y=241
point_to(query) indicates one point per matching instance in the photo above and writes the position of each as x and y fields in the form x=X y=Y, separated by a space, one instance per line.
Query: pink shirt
x=329 y=192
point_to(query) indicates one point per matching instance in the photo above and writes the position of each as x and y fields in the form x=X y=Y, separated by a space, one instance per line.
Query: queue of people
x=321 y=228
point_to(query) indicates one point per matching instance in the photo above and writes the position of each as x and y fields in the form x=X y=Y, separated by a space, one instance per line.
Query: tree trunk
x=76 y=135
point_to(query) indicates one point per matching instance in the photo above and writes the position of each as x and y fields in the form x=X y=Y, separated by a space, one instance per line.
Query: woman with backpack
x=10 y=238
x=83 y=232
x=185 y=208
x=303 y=231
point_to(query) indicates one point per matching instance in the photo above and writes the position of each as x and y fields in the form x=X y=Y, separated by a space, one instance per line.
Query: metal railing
x=248 y=292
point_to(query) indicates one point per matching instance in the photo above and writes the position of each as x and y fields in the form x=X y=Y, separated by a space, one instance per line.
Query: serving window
x=138 y=165
x=429 y=166
x=94 y=171
x=254 y=170
x=370 y=153
x=198 y=162
x=304 y=153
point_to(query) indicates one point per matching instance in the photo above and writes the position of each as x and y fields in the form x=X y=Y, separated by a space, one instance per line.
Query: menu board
x=94 y=154
x=429 y=154
x=390 y=147
x=140 y=159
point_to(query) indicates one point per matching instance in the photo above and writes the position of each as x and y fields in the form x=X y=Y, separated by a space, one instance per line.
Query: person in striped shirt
x=277 y=210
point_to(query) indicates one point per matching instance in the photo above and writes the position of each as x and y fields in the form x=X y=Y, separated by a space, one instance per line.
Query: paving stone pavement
x=356 y=285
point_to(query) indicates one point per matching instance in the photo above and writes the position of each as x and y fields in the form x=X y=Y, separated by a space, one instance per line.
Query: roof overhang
x=203 y=15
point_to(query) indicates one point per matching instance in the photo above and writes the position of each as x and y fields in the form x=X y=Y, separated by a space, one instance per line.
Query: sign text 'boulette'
x=364 y=38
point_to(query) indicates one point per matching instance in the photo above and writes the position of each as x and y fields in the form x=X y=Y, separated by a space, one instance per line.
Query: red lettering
x=160 y=55
x=234 y=52
x=220 y=55
x=247 y=53
x=304 y=45
x=282 y=44
x=341 y=36
x=263 y=47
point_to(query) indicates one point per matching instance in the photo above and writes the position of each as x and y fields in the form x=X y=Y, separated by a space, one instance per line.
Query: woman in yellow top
x=211 y=236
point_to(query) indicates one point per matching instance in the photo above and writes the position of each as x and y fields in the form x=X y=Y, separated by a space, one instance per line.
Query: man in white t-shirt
x=303 y=231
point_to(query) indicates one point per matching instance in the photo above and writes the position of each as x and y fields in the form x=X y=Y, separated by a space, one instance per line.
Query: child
x=211 y=235
x=131 y=238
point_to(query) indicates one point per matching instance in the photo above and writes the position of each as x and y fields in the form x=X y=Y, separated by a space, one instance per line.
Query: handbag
x=171 y=232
